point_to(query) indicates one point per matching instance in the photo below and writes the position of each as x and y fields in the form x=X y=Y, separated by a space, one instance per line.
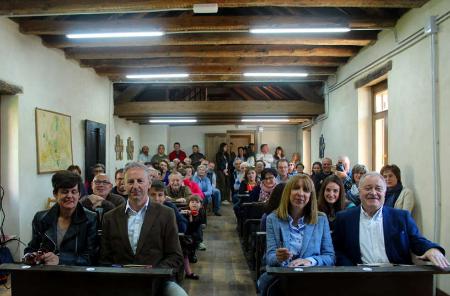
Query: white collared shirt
x=371 y=238
x=135 y=221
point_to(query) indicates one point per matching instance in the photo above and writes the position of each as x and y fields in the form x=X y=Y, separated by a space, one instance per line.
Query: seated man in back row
x=142 y=232
x=373 y=234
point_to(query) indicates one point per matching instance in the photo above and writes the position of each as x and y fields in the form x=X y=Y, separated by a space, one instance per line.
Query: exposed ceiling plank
x=241 y=92
x=358 y=38
x=209 y=51
x=181 y=62
x=307 y=93
x=261 y=93
x=49 y=7
x=197 y=23
x=218 y=107
x=130 y=93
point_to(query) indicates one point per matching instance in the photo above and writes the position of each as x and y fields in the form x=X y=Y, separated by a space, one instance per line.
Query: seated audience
x=165 y=172
x=102 y=196
x=205 y=185
x=249 y=182
x=119 y=189
x=295 y=157
x=272 y=204
x=177 y=152
x=66 y=233
x=294 y=223
x=263 y=190
x=196 y=216
x=332 y=198
x=358 y=171
x=292 y=171
x=343 y=171
x=397 y=195
x=327 y=164
x=316 y=169
x=279 y=154
x=300 y=168
x=196 y=157
x=150 y=235
x=176 y=191
x=160 y=155
x=187 y=173
x=77 y=170
x=187 y=161
x=98 y=168
x=374 y=234
x=265 y=156
x=143 y=155
x=259 y=167
x=282 y=170
x=211 y=174
x=157 y=195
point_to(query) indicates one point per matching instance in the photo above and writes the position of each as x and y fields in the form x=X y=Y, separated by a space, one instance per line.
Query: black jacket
x=79 y=244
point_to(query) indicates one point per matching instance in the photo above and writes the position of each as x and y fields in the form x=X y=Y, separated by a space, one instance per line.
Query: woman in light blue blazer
x=297 y=234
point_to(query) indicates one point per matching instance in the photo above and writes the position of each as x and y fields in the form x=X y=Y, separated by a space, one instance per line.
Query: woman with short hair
x=397 y=195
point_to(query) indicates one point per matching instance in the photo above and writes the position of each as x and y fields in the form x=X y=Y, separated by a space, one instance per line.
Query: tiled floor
x=222 y=267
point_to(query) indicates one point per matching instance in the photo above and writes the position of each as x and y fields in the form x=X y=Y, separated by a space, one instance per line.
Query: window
x=380 y=125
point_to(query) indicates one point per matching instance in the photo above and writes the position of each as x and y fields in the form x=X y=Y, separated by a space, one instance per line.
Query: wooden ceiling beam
x=197 y=23
x=298 y=108
x=50 y=7
x=187 y=62
x=130 y=93
x=212 y=70
x=357 y=38
x=242 y=93
x=210 y=51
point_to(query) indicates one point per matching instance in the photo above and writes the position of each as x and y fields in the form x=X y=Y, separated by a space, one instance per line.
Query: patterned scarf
x=265 y=192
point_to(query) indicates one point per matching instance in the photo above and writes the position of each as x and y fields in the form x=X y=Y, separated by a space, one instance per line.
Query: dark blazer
x=79 y=244
x=158 y=243
x=401 y=236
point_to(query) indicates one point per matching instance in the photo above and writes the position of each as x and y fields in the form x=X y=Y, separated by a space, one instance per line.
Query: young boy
x=196 y=216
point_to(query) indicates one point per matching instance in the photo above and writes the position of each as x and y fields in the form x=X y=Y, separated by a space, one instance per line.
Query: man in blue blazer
x=373 y=234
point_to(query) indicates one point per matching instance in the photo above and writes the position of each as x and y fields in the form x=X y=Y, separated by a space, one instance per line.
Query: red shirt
x=181 y=155
x=195 y=189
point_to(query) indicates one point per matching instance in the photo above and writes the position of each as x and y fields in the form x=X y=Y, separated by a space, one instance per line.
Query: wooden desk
x=75 y=280
x=354 y=280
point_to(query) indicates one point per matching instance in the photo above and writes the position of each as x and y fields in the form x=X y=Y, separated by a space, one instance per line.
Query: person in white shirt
x=265 y=156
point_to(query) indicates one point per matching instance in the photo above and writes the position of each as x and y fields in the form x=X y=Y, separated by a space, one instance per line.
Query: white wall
x=410 y=121
x=51 y=82
x=124 y=129
x=152 y=136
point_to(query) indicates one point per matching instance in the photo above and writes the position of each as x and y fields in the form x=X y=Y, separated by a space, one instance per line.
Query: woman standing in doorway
x=223 y=178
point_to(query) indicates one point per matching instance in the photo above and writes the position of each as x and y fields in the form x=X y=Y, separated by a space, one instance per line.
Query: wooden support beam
x=210 y=51
x=130 y=93
x=307 y=93
x=49 y=7
x=297 y=108
x=241 y=92
x=9 y=89
x=187 y=62
x=357 y=38
x=211 y=70
x=187 y=23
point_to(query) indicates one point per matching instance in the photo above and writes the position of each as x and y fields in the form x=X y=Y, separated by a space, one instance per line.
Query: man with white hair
x=373 y=234
x=176 y=190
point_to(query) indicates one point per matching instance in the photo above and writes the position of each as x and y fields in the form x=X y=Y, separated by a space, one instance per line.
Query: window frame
x=376 y=89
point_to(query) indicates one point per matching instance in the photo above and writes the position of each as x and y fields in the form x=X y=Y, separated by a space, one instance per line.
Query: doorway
x=95 y=146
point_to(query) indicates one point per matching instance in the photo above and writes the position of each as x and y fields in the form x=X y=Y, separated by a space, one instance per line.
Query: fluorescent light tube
x=115 y=35
x=172 y=120
x=285 y=74
x=206 y=8
x=265 y=120
x=298 y=30
x=152 y=76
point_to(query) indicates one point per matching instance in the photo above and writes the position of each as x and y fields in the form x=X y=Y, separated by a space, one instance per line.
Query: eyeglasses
x=99 y=182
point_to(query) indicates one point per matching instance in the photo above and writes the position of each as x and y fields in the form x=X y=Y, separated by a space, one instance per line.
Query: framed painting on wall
x=53 y=141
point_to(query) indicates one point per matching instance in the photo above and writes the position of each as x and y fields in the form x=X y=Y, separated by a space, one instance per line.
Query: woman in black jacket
x=222 y=171
x=66 y=233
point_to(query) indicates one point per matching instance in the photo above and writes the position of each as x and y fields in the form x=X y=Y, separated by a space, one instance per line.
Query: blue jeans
x=215 y=199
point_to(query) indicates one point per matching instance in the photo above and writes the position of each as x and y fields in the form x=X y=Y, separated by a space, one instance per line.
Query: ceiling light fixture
x=265 y=120
x=155 y=76
x=173 y=120
x=115 y=35
x=298 y=30
x=285 y=74
x=206 y=8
